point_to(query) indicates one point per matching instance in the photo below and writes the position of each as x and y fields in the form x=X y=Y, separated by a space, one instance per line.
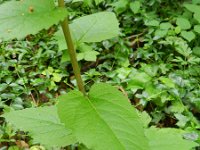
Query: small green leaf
x=197 y=16
x=139 y=80
x=3 y=86
x=120 y=6
x=176 y=107
x=104 y=120
x=182 y=120
x=177 y=30
x=87 y=53
x=183 y=23
x=65 y=56
x=192 y=7
x=196 y=51
x=160 y=33
x=43 y=125
x=167 y=81
x=154 y=23
x=197 y=28
x=56 y=77
x=90 y=55
x=98 y=1
x=165 y=25
x=188 y=35
x=135 y=6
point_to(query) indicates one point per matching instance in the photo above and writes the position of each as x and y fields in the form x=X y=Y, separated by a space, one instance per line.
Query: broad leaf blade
x=43 y=124
x=95 y=27
x=104 y=121
x=167 y=139
x=20 y=18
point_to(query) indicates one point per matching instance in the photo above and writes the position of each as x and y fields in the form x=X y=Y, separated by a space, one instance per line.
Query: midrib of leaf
x=88 y=29
x=94 y=108
x=131 y=141
x=102 y=98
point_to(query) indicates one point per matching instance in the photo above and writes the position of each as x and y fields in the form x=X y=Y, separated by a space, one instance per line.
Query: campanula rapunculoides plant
x=101 y=119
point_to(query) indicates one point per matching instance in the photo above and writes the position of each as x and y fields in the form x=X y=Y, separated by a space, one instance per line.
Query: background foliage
x=155 y=62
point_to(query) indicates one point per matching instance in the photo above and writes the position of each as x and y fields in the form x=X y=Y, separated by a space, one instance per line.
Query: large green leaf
x=91 y=28
x=167 y=139
x=104 y=120
x=95 y=27
x=43 y=124
x=20 y=18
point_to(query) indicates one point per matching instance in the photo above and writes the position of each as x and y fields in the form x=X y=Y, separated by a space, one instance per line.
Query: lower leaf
x=43 y=124
x=104 y=120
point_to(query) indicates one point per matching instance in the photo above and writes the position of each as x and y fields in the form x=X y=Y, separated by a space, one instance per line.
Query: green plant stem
x=71 y=50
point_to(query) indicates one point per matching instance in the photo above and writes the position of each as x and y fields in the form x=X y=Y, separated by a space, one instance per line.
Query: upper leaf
x=20 y=18
x=105 y=120
x=43 y=124
x=95 y=27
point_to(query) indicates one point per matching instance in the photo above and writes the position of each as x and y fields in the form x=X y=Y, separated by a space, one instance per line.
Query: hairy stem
x=71 y=50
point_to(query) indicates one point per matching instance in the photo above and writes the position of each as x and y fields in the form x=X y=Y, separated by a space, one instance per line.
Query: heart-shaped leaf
x=104 y=120
x=188 y=35
x=95 y=27
x=183 y=23
x=91 y=28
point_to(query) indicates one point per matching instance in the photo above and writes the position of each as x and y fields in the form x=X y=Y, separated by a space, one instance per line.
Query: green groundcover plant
x=101 y=119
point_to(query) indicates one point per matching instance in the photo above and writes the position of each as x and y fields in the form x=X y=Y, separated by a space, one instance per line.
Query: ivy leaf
x=90 y=55
x=197 y=28
x=104 y=120
x=197 y=16
x=192 y=7
x=153 y=23
x=98 y=1
x=21 y=18
x=165 y=25
x=120 y=6
x=167 y=81
x=135 y=6
x=139 y=80
x=160 y=33
x=168 y=139
x=182 y=120
x=87 y=52
x=188 y=35
x=196 y=51
x=183 y=23
x=43 y=125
